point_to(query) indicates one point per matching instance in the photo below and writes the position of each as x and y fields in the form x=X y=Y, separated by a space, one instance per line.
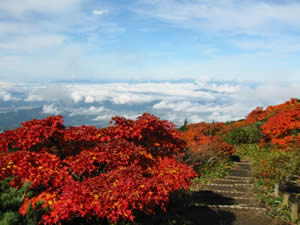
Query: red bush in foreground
x=86 y=172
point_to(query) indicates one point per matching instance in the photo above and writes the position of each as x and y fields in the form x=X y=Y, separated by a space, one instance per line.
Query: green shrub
x=183 y=128
x=11 y=199
x=245 y=135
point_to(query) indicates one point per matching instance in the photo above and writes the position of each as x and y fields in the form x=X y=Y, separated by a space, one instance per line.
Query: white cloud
x=51 y=92
x=30 y=43
x=17 y=8
x=175 y=106
x=129 y=98
x=34 y=98
x=194 y=119
x=107 y=116
x=51 y=109
x=76 y=97
x=222 y=15
x=203 y=100
x=281 y=45
x=99 y=12
x=7 y=97
x=103 y=117
x=92 y=110
x=89 y=99
x=116 y=93
x=16 y=28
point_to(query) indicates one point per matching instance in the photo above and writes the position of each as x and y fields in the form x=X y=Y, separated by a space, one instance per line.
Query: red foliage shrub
x=206 y=138
x=259 y=114
x=282 y=128
x=84 y=171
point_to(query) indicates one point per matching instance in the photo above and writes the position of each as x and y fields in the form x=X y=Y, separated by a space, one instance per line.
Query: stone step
x=213 y=198
x=229 y=194
x=243 y=162
x=231 y=181
x=239 y=178
x=198 y=215
x=227 y=201
x=223 y=192
x=241 y=169
x=226 y=187
x=243 y=166
x=239 y=172
x=236 y=207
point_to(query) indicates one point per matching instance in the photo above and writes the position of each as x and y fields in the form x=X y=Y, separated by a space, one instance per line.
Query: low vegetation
x=270 y=166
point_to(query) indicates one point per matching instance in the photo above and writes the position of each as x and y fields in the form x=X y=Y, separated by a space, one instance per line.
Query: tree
x=183 y=128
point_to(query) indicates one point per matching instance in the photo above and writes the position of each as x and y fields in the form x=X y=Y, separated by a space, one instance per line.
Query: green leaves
x=10 y=201
x=249 y=134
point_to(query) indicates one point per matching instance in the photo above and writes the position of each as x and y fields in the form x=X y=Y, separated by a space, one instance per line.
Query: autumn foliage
x=283 y=129
x=206 y=138
x=281 y=124
x=85 y=172
x=277 y=125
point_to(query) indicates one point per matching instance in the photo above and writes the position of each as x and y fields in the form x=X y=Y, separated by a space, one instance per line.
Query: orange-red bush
x=283 y=128
x=86 y=172
x=206 y=138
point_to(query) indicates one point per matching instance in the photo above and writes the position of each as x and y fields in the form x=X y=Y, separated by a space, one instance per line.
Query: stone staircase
x=224 y=201
x=231 y=199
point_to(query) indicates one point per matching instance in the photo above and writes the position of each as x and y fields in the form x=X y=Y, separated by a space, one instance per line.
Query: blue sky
x=149 y=39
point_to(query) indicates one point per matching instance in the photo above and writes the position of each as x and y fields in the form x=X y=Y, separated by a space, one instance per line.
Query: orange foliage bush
x=283 y=128
x=205 y=137
x=259 y=114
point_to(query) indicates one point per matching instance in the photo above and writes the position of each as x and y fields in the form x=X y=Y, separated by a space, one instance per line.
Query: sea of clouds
x=97 y=103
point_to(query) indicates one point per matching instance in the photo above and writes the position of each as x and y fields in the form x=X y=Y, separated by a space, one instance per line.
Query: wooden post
x=276 y=190
x=294 y=209
x=286 y=197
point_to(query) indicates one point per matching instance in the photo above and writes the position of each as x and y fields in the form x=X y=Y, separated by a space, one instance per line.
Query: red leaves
x=40 y=169
x=120 y=192
x=259 y=114
x=84 y=171
x=205 y=137
x=280 y=128
x=32 y=134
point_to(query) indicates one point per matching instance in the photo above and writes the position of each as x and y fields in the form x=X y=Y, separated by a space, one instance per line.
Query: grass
x=213 y=170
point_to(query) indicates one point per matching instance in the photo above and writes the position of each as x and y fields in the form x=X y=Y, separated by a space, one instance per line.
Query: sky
x=54 y=40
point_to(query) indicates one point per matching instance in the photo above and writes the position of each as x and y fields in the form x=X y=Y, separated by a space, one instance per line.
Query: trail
x=224 y=201
x=230 y=200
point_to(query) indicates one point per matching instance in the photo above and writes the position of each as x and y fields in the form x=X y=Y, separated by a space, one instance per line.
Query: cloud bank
x=202 y=100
